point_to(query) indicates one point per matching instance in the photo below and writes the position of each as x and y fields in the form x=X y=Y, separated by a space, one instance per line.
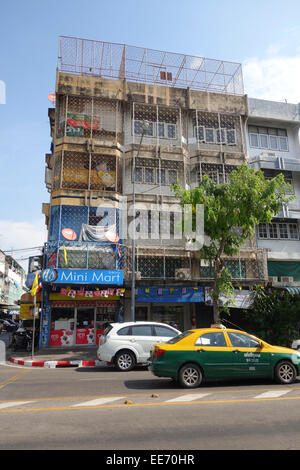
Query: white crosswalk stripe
x=13 y=403
x=99 y=401
x=188 y=397
x=272 y=394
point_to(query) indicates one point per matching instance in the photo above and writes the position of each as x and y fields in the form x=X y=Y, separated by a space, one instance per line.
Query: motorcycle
x=22 y=339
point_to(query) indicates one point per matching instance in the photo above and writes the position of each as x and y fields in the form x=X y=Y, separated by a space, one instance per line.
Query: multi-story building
x=128 y=123
x=12 y=284
x=273 y=146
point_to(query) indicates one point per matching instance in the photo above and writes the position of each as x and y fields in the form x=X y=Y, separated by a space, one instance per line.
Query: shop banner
x=241 y=299
x=96 y=294
x=170 y=294
x=82 y=276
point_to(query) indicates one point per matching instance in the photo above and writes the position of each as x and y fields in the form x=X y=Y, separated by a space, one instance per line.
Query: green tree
x=274 y=316
x=231 y=212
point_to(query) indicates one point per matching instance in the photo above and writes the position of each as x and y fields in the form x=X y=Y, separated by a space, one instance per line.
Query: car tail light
x=159 y=352
x=102 y=339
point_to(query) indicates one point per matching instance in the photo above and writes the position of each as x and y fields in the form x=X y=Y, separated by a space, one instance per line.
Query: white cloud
x=18 y=235
x=274 y=78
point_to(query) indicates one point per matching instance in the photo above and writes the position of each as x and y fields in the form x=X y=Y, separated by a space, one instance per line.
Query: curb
x=56 y=364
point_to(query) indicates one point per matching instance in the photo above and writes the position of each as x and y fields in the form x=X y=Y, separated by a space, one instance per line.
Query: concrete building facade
x=273 y=146
x=104 y=159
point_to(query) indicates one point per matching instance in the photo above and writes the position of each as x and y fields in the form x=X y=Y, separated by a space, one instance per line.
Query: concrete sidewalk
x=82 y=356
x=85 y=356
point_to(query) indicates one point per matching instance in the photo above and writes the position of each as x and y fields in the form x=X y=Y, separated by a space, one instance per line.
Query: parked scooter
x=22 y=339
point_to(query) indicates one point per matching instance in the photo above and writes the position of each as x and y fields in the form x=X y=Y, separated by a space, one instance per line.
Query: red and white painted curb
x=54 y=364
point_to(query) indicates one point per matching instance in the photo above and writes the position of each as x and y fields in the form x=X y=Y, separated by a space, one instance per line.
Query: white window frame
x=279 y=227
x=156 y=178
x=215 y=134
x=155 y=129
x=269 y=147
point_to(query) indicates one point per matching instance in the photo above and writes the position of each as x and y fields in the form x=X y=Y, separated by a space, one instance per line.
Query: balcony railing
x=85 y=255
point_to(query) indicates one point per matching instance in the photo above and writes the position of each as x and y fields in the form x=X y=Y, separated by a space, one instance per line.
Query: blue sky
x=264 y=35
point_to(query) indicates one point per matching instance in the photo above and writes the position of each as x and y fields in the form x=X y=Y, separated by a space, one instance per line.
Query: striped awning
x=293 y=290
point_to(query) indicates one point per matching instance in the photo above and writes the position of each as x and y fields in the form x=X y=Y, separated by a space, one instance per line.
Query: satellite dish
x=111 y=236
x=68 y=234
x=52 y=97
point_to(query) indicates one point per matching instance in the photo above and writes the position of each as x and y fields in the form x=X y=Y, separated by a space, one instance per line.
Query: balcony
x=179 y=265
x=85 y=255
x=87 y=171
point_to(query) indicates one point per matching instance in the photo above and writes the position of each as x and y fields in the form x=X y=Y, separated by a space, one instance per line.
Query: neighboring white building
x=272 y=135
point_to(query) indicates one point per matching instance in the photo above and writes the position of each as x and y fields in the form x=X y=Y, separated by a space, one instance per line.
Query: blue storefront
x=169 y=304
x=77 y=304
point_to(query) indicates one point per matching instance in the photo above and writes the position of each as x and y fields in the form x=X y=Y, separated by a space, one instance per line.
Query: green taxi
x=221 y=353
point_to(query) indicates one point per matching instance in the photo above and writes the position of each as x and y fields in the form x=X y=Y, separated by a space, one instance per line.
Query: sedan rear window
x=107 y=330
x=124 y=331
x=165 y=331
x=180 y=337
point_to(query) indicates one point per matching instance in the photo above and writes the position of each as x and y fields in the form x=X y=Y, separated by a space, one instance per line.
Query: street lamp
x=145 y=126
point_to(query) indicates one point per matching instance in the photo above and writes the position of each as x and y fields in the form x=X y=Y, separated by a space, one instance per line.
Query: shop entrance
x=81 y=325
x=85 y=325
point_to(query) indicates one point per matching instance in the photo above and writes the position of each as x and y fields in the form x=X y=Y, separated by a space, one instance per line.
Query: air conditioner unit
x=286 y=279
x=273 y=279
x=183 y=274
x=138 y=275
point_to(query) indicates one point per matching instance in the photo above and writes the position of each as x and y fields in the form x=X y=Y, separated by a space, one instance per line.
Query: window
x=178 y=338
x=209 y=135
x=138 y=174
x=293 y=231
x=161 y=175
x=138 y=129
x=124 y=331
x=253 y=140
x=149 y=175
x=268 y=138
x=262 y=231
x=276 y=231
x=215 y=135
x=273 y=232
x=160 y=129
x=172 y=176
x=283 y=231
x=242 y=341
x=211 y=339
x=142 y=330
x=164 y=331
x=153 y=175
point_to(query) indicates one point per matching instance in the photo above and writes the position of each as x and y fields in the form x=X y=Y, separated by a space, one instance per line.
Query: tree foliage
x=275 y=316
x=231 y=212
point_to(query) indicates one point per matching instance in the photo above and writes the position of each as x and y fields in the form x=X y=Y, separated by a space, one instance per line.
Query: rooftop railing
x=138 y=64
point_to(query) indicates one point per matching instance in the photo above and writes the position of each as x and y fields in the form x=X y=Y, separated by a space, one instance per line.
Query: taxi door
x=213 y=354
x=248 y=359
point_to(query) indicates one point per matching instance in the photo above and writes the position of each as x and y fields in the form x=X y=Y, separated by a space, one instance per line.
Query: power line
x=23 y=249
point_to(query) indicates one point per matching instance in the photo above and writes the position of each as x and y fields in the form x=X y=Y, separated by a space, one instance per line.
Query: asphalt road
x=93 y=408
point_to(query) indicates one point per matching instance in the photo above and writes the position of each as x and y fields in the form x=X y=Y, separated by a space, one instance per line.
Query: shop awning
x=293 y=290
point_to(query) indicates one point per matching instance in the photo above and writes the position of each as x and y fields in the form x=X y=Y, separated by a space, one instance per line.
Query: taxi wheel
x=125 y=361
x=190 y=376
x=285 y=372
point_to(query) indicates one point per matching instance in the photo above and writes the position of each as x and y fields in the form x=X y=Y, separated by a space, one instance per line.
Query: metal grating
x=138 y=64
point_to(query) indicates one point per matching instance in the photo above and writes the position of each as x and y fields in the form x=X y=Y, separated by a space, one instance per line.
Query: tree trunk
x=216 y=308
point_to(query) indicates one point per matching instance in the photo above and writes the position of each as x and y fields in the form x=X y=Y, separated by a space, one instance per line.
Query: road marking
x=3 y=384
x=99 y=401
x=272 y=394
x=13 y=403
x=188 y=397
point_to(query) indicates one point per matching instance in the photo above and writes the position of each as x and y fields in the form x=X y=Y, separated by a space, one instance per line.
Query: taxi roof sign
x=219 y=326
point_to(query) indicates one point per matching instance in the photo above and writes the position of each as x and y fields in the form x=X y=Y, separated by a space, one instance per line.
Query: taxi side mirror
x=261 y=345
